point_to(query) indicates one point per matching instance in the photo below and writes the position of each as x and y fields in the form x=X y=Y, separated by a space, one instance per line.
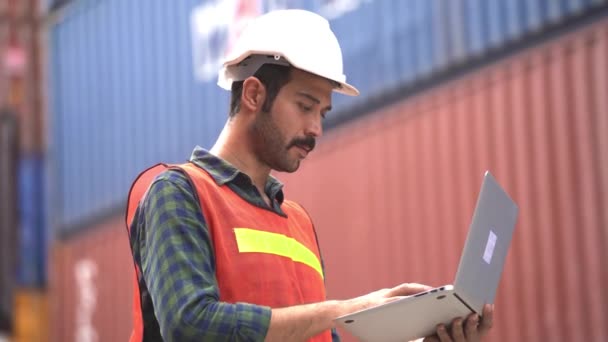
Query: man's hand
x=470 y=331
x=383 y=296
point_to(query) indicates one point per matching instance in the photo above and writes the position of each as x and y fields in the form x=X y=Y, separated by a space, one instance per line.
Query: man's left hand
x=470 y=330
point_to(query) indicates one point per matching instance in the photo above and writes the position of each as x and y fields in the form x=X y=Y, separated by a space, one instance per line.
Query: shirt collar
x=223 y=172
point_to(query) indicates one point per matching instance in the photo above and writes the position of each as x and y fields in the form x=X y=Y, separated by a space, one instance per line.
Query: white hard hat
x=293 y=37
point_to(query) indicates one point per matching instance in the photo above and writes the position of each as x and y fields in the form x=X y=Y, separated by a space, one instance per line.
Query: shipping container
x=20 y=90
x=20 y=95
x=90 y=285
x=133 y=82
x=392 y=194
x=20 y=80
x=32 y=223
x=122 y=89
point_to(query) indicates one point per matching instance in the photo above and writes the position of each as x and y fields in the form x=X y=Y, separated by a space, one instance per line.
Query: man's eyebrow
x=312 y=98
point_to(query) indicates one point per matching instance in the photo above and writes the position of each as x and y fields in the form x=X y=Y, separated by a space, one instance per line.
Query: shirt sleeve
x=179 y=269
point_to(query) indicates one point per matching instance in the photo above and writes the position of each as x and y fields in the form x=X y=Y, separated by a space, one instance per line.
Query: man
x=220 y=254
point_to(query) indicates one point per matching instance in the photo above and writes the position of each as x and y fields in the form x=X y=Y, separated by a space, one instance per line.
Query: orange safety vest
x=261 y=258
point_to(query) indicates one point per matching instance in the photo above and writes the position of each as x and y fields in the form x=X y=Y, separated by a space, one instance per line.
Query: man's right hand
x=382 y=296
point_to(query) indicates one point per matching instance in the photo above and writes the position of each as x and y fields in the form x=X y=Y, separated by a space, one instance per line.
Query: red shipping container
x=90 y=291
x=392 y=194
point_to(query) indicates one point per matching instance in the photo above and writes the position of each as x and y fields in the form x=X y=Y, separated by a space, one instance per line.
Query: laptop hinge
x=463 y=302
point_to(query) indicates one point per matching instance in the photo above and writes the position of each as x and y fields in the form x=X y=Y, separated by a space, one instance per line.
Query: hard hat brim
x=225 y=82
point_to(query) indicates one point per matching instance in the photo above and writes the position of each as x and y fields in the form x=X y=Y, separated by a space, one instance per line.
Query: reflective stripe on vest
x=257 y=241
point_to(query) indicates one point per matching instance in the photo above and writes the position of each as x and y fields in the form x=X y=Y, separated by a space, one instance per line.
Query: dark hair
x=272 y=76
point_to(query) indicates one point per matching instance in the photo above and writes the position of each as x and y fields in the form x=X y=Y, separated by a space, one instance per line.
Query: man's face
x=285 y=135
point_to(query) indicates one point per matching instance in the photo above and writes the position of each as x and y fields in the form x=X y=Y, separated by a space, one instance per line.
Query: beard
x=272 y=147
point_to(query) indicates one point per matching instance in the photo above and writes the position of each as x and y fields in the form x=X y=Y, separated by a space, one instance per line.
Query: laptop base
x=408 y=318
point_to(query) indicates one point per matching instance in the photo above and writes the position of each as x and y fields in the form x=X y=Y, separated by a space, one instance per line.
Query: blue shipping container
x=133 y=82
x=32 y=233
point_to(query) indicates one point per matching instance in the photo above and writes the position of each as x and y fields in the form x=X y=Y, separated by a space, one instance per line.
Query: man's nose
x=315 y=127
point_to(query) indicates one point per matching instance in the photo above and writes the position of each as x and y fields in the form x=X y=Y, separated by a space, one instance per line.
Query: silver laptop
x=477 y=278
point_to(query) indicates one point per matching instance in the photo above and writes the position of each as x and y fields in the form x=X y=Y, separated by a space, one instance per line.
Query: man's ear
x=253 y=94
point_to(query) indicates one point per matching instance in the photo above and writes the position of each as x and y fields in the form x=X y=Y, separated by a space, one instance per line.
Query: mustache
x=308 y=142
